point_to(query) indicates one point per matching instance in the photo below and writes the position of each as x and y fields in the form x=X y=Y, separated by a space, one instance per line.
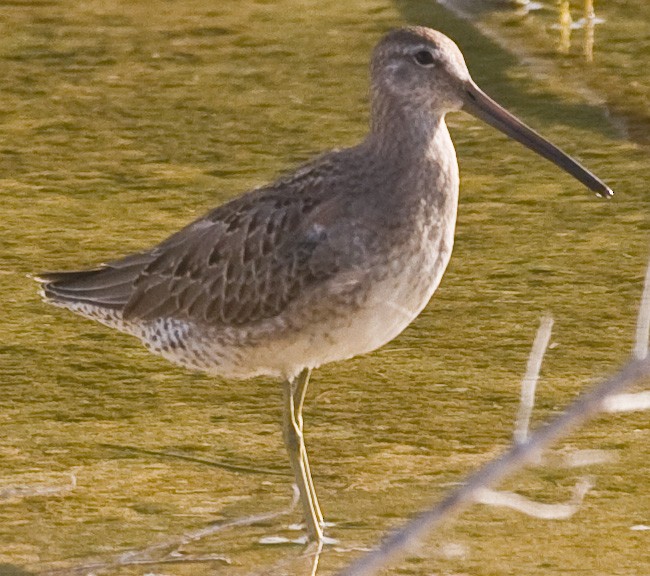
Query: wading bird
x=331 y=261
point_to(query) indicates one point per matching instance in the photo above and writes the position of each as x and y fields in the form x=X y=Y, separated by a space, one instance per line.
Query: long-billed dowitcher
x=331 y=261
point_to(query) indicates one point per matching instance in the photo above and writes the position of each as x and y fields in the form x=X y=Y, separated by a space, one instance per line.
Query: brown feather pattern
x=241 y=263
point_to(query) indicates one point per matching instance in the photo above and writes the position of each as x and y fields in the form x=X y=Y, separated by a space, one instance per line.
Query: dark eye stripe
x=424 y=58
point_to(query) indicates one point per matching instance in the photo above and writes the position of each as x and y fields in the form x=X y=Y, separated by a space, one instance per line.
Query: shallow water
x=121 y=123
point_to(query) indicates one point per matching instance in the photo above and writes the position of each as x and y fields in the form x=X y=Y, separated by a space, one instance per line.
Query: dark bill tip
x=606 y=193
x=479 y=104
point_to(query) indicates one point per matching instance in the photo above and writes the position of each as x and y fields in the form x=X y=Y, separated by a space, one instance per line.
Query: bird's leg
x=315 y=549
x=293 y=440
x=299 y=394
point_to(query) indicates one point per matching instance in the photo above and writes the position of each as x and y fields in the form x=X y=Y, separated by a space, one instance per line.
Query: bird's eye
x=424 y=58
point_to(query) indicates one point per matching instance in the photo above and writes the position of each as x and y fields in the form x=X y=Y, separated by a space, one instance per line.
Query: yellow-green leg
x=294 y=397
x=300 y=392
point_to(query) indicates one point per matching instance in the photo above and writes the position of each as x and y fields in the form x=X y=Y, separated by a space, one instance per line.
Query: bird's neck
x=413 y=145
x=404 y=131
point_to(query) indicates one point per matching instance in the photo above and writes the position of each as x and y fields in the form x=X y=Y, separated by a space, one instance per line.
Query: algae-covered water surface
x=122 y=121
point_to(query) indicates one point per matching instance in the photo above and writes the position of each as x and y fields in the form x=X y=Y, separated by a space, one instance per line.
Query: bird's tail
x=100 y=287
x=100 y=293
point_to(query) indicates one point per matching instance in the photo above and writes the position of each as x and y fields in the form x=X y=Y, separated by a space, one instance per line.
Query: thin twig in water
x=535 y=509
x=581 y=458
x=578 y=412
x=18 y=491
x=627 y=402
x=643 y=321
x=529 y=382
x=168 y=551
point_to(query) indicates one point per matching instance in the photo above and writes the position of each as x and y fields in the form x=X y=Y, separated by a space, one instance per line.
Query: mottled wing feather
x=244 y=262
x=241 y=263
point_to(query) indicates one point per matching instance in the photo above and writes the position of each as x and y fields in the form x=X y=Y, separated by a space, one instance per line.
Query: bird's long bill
x=479 y=104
